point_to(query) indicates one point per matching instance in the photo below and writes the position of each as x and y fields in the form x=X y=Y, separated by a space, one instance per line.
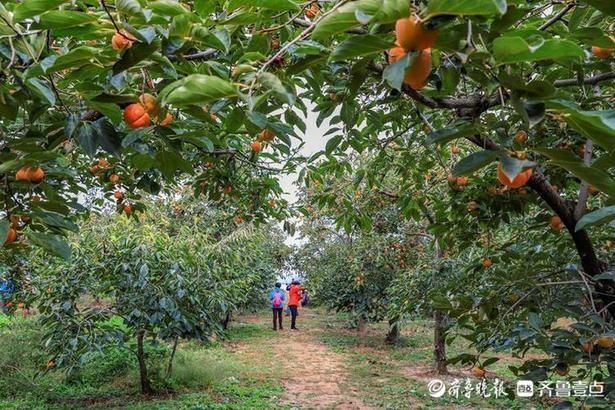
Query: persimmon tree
x=484 y=102
x=167 y=278
x=352 y=271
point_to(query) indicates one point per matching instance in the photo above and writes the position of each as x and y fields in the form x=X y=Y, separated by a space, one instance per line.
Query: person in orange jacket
x=294 y=299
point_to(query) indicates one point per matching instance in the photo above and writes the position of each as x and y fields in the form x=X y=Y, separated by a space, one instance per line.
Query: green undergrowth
x=204 y=376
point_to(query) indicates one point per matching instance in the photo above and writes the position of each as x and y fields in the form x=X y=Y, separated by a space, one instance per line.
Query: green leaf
x=445 y=135
x=170 y=162
x=357 y=46
x=204 y=7
x=130 y=7
x=389 y=11
x=465 y=7
x=33 y=8
x=606 y=6
x=264 y=4
x=394 y=73
x=197 y=88
x=41 y=90
x=63 y=19
x=272 y=83
x=513 y=166
x=344 y=18
x=571 y=163
x=333 y=143
x=605 y=161
x=507 y=50
x=167 y=8
x=599 y=126
x=52 y=243
x=4 y=230
x=135 y=54
x=142 y=161
x=55 y=219
x=11 y=165
x=111 y=111
x=72 y=60
x=600 y=216
x=86 y=137
x=106 y=136
x=474 y=162
x=605 y=275
x=531 y=89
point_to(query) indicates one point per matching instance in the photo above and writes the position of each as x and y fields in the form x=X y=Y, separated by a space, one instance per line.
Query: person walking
x=277 y=297
x=294 y=298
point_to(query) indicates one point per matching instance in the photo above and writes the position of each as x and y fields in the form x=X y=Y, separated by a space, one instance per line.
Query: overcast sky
x=314 y=141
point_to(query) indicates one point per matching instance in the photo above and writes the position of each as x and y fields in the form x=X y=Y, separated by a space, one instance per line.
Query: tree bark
x=170 y=366
x=439 y=342
x=362 y=326
x=565 y=210
x=146 y=387
x=393 y=334
x=226 y=321
x=592 y=266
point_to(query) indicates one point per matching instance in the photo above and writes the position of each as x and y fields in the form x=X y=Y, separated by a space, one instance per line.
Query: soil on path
x=314 y=377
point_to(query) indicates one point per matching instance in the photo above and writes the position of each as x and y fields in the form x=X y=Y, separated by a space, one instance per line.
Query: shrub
x=22 y=360
x=197 y=369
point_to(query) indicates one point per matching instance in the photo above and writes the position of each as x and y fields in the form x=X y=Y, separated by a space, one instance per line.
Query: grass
x=205 y=375
x=242 y=370
x=396 y=377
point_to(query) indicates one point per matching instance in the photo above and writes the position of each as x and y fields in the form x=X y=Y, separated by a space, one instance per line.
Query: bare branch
x=286 y=46
x=558 y=16
x=585 y=81
x=201 y=55
x=117 y=29
x=305 y=23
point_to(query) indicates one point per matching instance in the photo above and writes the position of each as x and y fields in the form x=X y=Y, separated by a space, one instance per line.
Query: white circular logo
x=436 y=388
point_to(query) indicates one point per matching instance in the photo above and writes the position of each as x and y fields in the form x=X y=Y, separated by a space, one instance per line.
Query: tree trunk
x=393 y=334
x=439 y=342
x=362 y=326
x=226 y=321
x=146 y=387
x=439 y=337
x=170 y=366
x=592 y=266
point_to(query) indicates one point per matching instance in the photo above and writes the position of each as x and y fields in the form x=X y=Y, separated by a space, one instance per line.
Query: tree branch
x=558 y=16
x=585 y=81
x=484 y=142
x=474 y=102
x=201 y=55
x=117 y=28
x=305 y=23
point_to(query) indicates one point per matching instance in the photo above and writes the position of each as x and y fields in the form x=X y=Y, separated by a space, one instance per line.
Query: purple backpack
x=277 y=300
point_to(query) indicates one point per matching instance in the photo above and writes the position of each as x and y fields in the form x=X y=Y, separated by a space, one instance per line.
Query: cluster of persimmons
x=412 y=35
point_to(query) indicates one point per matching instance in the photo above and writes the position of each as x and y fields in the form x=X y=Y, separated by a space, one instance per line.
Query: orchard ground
x=324 y=365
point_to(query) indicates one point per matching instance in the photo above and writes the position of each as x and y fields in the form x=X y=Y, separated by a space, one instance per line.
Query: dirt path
x=314 y=376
